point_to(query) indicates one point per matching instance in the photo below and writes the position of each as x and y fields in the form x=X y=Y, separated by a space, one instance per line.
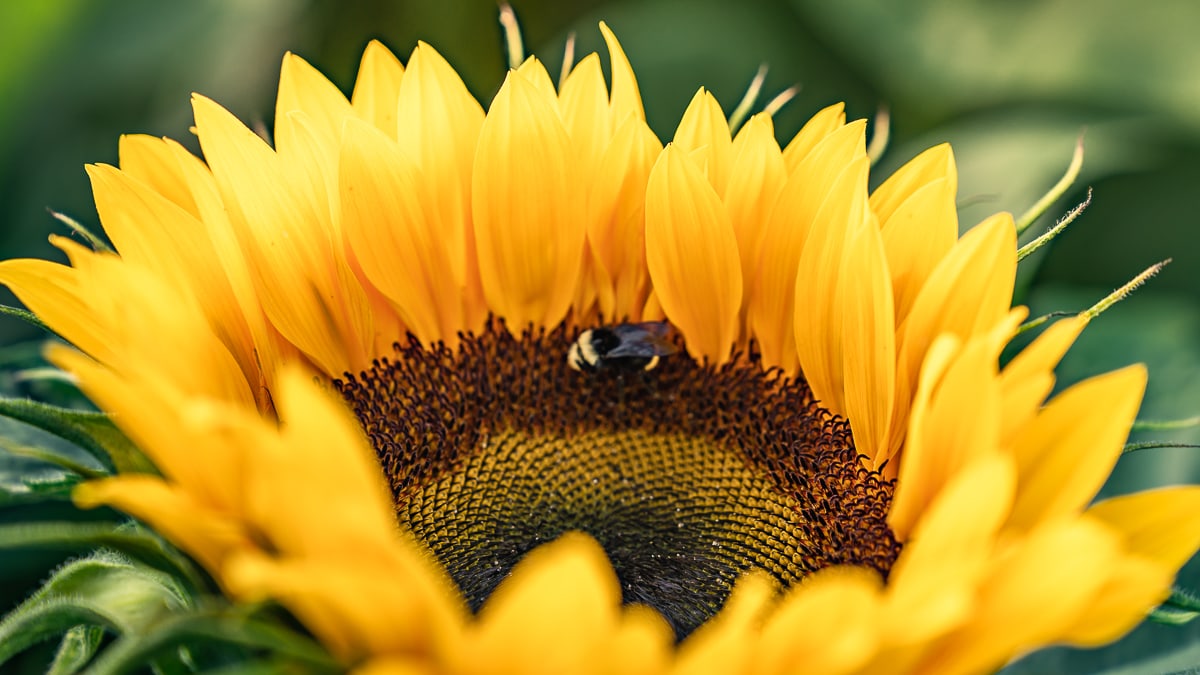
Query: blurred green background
x=1011 y=85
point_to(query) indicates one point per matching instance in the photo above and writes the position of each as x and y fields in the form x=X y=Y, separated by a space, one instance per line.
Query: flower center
x=688 y=476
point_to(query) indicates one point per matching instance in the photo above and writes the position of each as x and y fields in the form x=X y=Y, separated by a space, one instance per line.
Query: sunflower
x=346 y=353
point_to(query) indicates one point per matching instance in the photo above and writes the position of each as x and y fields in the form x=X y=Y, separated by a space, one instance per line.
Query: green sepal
x=26 y=316
x=1042 y=205
x=77 y=647
x=1150 y=445
x=98 y=245
x=92 y=431
x=228 y=626
x=130 y=539
x=104 y=589
x=1172 y=616
x=1181 y=607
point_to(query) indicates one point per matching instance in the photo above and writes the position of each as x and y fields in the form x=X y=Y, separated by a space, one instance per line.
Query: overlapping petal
x=692 y=256
x=527 y=205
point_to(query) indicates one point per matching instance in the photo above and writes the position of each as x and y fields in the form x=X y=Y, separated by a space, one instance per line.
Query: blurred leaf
x=27 y=479
x=77 y=647
x=131 y=540
x=223 y=626
x=1149 y=649
x=49 y=456
x=91 y=431
x=103 y=590
x=28 y=33
x=934 y=58
x=24 y=480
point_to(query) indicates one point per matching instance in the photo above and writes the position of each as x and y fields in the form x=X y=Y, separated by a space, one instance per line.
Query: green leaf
x=223 y=626
x=49 y=456
x=19 y=487
x=78 y=646
x=134 y=541
x=104 y=590
x=35 y=471
x=91 y=431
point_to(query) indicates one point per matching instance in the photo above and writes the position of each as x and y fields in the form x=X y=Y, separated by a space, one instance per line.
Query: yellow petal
x=921 y=458
x=207 y=534
x=307 y=292
x=692 y=255
x=626 y=99
x=931 y=166
x=917 y=236
x=954 y=419
x=377 y=88
x=819 y=285
x=966 y=294
x=773 y=307
x=158 y=417
x=725 y=644
x=586 y=115
x=617 y=220
x=438 y=125
x=534 y=72
x=1067 y=452
x=303 y=88
x=355 y=611
x=869 y=340
x=390 y=222
x=1034 y=593
x=932 y=586
x=269 y=348
x=704 y=129
x=529 y=223
x=1134 y=586
x=144 y=325
x=1158 y=525
x=182 y=254
x=51 y=291
x=824 y=123
x=642 y=645
x=347 y=509
x=845 y=636
x=756 y=177
x=554 y=614
x=1027 y=379
x=152 y=161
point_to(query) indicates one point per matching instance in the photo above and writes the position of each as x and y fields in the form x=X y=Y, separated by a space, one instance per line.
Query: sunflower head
x=786 y=443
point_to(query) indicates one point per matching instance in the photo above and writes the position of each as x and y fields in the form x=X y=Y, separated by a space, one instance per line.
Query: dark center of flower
x=687 y=475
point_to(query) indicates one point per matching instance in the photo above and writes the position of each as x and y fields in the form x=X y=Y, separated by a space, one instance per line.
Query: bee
x=625 y=347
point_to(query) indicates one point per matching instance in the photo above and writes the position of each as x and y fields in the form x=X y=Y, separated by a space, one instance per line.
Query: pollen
x=688 y=475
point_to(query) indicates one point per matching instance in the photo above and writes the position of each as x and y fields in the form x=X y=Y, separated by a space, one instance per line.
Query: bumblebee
x=625 y=347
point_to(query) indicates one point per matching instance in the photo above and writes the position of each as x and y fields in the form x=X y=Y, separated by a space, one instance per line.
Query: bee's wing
x=642 y=339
